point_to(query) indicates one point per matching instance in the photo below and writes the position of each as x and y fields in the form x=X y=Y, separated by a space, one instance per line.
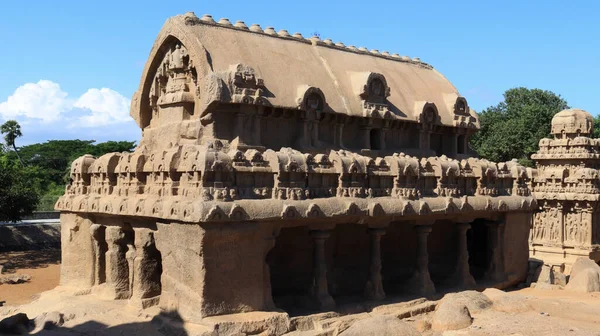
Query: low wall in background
x=23 y=237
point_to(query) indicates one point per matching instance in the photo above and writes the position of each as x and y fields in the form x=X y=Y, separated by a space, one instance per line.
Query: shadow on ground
x=29 y=259
x=29 y=237
x=164 y=324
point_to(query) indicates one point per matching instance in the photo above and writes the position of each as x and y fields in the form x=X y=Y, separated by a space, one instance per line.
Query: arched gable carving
x=311 y=98
x=172 y=32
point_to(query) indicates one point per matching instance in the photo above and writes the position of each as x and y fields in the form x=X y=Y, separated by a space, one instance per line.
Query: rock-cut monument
x=565 y=183
x=278 y=173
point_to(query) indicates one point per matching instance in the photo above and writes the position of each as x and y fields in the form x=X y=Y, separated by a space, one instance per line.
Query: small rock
x=13 y=279
x=474 y=300
x=16 y=324
x=383 y=325
x=451 y=315
x=1 y=269
x=585 y=281
x=581 y=264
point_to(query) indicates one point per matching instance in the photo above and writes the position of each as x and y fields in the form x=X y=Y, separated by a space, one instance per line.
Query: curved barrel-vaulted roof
x=288 y=64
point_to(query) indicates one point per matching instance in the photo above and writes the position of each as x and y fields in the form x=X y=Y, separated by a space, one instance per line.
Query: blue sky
x=68 y=68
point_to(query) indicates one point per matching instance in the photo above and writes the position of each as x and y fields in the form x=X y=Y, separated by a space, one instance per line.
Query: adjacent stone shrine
x=565 y=183
x=277 y=172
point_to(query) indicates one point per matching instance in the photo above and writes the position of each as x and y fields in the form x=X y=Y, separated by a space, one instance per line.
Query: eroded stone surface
x=275 y=178
x=451 y=315
x=473 y=300
x=380 y=326
x=587 y=280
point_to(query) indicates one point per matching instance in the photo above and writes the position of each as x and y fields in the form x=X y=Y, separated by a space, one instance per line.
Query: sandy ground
x=43 y=267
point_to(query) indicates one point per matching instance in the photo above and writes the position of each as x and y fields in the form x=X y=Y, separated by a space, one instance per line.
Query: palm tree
x=12 y=130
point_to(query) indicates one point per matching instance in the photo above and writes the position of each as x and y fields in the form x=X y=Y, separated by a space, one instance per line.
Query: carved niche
x=175 y=81
x=374 y=96
x=462 y=117
x=246 y=86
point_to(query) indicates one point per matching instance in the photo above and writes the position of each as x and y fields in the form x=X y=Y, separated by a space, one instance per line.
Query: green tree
x=596 y=133
x=12 y=130
x=18 y=196
x=513 y=128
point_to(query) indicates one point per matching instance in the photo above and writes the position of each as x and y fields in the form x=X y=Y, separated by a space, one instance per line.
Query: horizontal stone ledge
x=560 y=196
x=178 y=208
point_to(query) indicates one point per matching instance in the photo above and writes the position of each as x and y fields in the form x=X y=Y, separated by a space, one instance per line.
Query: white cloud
x=43 y=100
x=106 y=107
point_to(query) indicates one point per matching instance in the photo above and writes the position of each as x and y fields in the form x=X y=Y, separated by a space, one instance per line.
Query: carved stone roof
x=284 y=63
x=572 y=123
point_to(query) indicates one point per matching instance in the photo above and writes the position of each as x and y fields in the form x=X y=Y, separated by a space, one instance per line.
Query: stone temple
x=566 y=185
x=279 y=173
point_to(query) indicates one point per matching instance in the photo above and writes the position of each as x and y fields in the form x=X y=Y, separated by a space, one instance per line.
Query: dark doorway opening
x=479 y=249
x=375 y=137
x=461 y=144
x=290 y=264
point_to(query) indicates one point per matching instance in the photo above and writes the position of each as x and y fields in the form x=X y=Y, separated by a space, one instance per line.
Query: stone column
x=240 y=128
x=320 y=288
x=424 y=140
x=117 y=270
x=588 y=222
x=495 y=271
x=147 y=269
x=130 y=256
x=340 y=135
x=454 y=144
x=374 y=287
x=561 y=224
x=382 y=143
x=268 y=290
x=366 y=137
x=256 y=129
x=462 y=276
x=421 y=281
x=99 y=250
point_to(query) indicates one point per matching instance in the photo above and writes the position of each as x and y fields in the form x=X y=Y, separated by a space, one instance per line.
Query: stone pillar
x=99 y=250
x=268 y=291
x=130 y=256
x=462 y=276
x=366 y=137
x=561 y=223
x=374 y=287
x=424 y=140
x=240 y=128
x=256 y=129
x=320 y=288
x=117 y=270
x=382 y=143
x=147 y=270
x=340 y=135
x=454 y=144
x=495 y=271
x=588 y=223
x=421 y=281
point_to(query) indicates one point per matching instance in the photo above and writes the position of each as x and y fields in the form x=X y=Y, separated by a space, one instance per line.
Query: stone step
x=251 y=323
